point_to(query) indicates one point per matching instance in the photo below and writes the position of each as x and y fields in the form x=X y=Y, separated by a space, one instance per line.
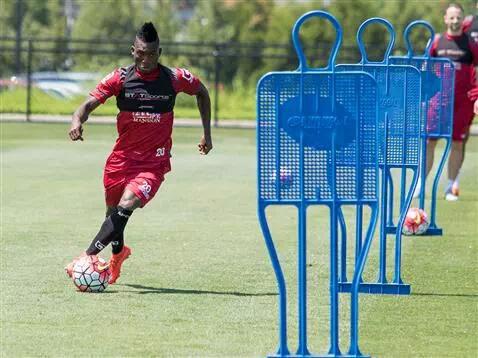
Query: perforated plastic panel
x=398 y=91
x=317 y=131
x=437 y=93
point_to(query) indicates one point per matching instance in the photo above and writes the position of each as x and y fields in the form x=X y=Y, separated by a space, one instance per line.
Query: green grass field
x=199 y=282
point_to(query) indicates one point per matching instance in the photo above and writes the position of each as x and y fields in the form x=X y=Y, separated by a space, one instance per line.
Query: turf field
x=199 y=282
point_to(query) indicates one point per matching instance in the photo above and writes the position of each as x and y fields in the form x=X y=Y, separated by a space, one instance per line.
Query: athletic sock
x=456 y=181
x=449 y=185
x=111 y=229
x=117 y=244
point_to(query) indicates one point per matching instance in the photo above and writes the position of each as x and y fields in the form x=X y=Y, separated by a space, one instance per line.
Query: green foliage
x=7 y=19
x=210 y=24
x=7 y=60
x=263 y=27
x=279 y=32
x=351 y=14
x=38 y=19
x=119 y=21
x=251 y=22
x=111 y=22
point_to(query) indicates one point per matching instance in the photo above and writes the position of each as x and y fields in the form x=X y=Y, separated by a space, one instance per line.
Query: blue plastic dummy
x=438 y=76
x=398 y=91
x=317 y=145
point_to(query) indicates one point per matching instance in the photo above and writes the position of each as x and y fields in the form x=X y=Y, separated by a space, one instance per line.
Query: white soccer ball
x=416 y=222
x=91 y=274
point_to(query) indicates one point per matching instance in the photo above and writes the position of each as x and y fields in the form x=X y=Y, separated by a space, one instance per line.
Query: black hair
x=456 y=6
x=147 y=33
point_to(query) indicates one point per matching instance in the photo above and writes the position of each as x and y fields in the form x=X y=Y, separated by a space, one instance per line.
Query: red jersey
x=145 y=103
x=470 y=26
x=464 y=53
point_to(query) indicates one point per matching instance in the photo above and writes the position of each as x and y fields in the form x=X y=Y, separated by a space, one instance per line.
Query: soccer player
x=463 y=51
x=145 y=95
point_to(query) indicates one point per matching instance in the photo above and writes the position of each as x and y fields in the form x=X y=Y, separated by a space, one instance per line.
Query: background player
x=463 y=51
x=145 y=96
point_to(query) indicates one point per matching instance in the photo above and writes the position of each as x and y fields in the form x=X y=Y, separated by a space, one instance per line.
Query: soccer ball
x=416 y=222
x=286 y=179
x=91 y=274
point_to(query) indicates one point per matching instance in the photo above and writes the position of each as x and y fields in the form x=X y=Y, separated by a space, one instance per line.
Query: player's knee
x=110 y=210
x=457 y=145
x=129 y=203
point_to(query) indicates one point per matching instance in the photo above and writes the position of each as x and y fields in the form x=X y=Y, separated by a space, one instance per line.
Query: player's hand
x=76 y=131
x=475 y=107
x=205 y=145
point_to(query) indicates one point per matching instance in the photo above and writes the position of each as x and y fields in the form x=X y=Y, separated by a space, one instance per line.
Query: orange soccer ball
x=416 y=222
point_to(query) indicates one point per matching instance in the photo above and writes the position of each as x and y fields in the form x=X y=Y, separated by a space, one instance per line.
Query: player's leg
x=139 y=191
x=99 y=243
x=113 y=226
x=118 y=243
x=431 y=145
x=454 y=164
x=465 y=140
x=462 y=117
x=114 y=181
x=456 y=159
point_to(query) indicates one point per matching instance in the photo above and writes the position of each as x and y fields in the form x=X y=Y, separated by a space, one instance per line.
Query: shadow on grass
x=470 y=295
x=147 y=289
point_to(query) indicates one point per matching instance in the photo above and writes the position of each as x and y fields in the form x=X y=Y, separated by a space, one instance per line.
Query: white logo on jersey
x=187 y=75
x=142 y=95
x=145 y=189
x=146 y=117
x=99 y=245
x=160 y=152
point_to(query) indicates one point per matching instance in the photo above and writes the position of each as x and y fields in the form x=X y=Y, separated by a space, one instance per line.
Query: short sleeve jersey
x=470 y=26
x=463 y=51
x=145 y=128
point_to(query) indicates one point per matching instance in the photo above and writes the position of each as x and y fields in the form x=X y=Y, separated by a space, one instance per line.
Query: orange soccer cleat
x=71 y=265
x=115 y=263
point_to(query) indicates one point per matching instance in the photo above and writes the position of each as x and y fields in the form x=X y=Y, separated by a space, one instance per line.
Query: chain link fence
x=45 y=75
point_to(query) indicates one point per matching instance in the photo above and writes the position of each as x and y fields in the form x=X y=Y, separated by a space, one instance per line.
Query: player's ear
x=160 y=50
x=132 y=50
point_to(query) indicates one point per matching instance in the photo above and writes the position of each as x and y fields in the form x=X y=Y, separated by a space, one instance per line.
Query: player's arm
x=434 y=46
x=81 y=116
x=473 y=93
x=204 y=106
x=467 y=22
x=109 y=86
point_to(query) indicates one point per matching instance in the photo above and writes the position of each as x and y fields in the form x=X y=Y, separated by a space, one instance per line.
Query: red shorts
x=143 y=179
x=462 y=116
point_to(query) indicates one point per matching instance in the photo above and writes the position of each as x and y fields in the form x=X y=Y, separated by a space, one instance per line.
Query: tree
x=250 y=21
x=210 y=25
x=31 y=19
x=115 y=26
